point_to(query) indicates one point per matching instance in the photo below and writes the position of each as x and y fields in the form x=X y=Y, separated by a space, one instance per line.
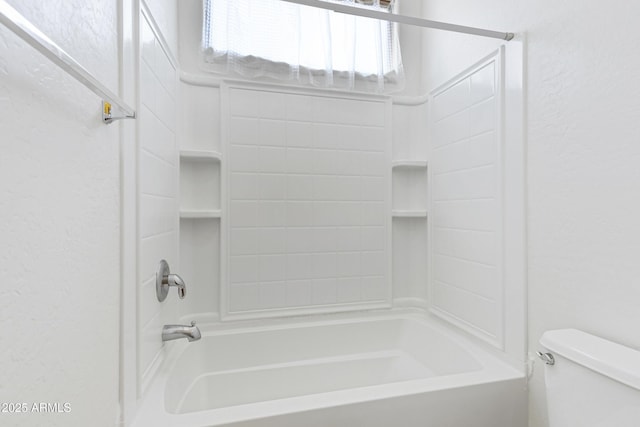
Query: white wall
x=59 y=220
x=583 y=154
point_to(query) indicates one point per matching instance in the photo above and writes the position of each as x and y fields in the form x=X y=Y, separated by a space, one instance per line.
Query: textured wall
x=59 y=221
x=583 y=152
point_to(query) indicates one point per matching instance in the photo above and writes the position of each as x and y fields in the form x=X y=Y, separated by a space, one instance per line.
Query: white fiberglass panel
x=158 y=192
x=307 y=196
x=466 y=229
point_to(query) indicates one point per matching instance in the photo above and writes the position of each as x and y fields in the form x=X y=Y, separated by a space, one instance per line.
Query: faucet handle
x=175 y=280
x=165 y=280
x=193 y=323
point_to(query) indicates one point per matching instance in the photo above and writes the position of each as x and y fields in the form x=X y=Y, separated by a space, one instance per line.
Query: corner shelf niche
x=200 y=184
x=409 y=181
x=200 y=215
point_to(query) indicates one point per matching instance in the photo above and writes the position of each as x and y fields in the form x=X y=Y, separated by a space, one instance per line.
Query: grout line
x=310 y=227
x=466 y=291
x=157 y=157
x=465 y=139
x=148 y=281
x=315 y=122
x=158 y=196
x=347 y=251
x=300 y=174
x=162 y=122
x=465 y=260
x=161 y=234
x=296 y=227
x=470 y=199
x=288 y=147
x=146 y=325
x=288 y=281
x=298 y=201
x=153 y=70
x=467 y=108
x=463 y=229
x=473 y=168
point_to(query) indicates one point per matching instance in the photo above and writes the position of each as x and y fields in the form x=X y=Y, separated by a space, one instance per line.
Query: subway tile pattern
x=158 y=192
x=308 y=201
x=466 y=203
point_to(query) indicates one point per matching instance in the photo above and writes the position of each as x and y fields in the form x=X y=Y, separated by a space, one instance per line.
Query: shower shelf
x=200 y=184
x=201 y=155
x=409 y=164
x=408 y=214
x=409 y=188
x=200 y=214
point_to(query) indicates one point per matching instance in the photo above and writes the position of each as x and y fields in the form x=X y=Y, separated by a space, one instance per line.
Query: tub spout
x=174 y=332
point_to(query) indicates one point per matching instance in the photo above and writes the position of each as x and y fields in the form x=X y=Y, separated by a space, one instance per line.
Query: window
x=285 y=41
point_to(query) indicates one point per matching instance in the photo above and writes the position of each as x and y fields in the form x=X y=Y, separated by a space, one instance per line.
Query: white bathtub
x=400 y=370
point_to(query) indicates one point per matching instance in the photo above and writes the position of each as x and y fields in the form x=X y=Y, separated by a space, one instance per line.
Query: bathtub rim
x=151 y=408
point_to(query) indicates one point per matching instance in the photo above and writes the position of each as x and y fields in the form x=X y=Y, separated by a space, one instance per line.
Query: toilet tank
x=593 y=382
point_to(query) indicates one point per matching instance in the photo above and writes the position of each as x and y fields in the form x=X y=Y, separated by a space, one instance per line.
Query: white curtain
x=301 y=44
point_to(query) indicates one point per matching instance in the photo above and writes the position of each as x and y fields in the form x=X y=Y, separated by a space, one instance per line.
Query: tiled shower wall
x=158 y=192
x=201 y=121
x=466 y=204
x=308 y=201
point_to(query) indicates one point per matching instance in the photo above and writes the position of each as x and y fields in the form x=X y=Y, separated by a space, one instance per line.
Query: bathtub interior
x=236 y=367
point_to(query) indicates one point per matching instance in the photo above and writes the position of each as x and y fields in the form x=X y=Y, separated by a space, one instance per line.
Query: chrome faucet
x=174 y=332
x=166 y=280
x=175 y=280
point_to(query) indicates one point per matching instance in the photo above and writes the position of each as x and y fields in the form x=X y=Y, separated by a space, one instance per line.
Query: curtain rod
x=24 y=29
x=403 y=19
